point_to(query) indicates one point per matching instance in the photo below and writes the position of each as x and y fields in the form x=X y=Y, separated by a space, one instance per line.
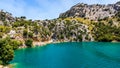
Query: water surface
x=70 y=55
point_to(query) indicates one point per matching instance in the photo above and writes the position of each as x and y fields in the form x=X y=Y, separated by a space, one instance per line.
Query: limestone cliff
x=92 y=12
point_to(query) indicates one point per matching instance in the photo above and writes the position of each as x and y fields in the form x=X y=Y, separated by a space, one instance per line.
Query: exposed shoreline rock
x=8 y=66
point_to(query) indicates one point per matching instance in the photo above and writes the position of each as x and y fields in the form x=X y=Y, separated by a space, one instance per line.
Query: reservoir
x=69 y=55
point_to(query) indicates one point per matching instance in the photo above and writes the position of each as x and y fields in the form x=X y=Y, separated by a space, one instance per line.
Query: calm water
x=70 y=55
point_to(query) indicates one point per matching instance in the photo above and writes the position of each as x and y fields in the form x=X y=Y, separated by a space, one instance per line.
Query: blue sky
x=43 y=9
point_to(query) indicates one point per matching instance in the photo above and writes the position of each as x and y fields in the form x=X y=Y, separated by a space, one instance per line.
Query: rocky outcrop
x=117 y=6
x=6 y=16
x=92 y=12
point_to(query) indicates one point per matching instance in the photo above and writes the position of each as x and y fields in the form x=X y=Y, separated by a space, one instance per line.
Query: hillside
x=61 y=29
x=92 y=12
x=90 y=24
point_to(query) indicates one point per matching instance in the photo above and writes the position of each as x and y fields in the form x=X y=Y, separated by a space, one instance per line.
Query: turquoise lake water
x=70 y=55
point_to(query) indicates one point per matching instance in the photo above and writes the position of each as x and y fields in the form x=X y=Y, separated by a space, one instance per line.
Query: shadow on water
x=91 y=46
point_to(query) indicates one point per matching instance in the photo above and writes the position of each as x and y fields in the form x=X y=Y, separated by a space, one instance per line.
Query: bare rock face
x=118 y=3
x=117 y=6
x=6 y=16
x=93 y=12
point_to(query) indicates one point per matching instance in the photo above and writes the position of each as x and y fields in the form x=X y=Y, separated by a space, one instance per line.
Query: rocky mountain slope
x=6 y=16
x=93 y=12
x=77 y=24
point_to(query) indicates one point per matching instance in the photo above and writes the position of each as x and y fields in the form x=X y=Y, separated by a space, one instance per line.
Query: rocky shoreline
x=35 y=43
x=8 y=66
x=51 y=41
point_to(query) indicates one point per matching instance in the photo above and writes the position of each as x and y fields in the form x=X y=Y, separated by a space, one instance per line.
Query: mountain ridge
x=92 y=12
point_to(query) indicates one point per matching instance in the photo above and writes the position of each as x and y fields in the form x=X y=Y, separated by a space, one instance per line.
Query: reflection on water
x=70 y=55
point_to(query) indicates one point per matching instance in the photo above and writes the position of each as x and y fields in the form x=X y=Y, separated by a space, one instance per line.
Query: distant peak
x=118 y=3
x=92 y=11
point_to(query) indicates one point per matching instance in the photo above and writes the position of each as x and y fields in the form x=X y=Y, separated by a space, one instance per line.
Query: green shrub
x=6 y=51
x=80 y=37
x=105 y=38
x=15 y=44
x=29 y=42
x=25 y=33
x=30 y=34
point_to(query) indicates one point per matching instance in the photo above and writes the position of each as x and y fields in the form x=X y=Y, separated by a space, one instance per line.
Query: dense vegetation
x=106 y=33
x=29 y=42
x=7 y=47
